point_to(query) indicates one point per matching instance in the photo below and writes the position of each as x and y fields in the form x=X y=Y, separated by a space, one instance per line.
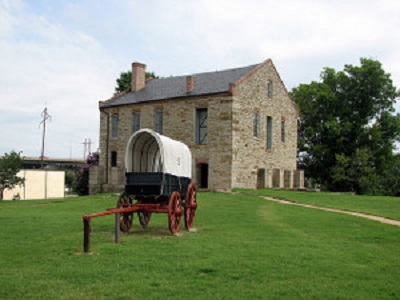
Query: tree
x=81 y=184
x=347 y=127
x=10 y=164
x=124 y=80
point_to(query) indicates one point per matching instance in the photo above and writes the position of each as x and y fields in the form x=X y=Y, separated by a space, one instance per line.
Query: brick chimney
x=189 y=84
x=138 y=76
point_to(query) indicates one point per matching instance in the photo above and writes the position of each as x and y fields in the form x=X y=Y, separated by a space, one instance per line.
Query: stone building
x=240 y=125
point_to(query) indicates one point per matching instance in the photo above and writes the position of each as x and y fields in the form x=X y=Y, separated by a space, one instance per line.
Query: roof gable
x=175 y=87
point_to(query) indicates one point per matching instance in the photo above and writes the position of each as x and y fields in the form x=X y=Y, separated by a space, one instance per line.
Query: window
x=269 y=132
x=283 y=130
x=269 y=89
x=256 y=124
x=159 y=121
x=201 y=134
x=113 y=158
x=114 y=126
x=135 y=121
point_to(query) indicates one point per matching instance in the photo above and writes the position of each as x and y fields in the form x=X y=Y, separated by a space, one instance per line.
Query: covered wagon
x=158 y=180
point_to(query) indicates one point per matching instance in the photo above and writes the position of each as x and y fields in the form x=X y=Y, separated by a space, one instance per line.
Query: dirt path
x=370 y=217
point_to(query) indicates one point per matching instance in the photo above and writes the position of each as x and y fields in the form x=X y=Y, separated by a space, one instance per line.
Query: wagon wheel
x=124 y=200
x=144 y=218
x=126 y=219
x=191 y=206
x=174 y=212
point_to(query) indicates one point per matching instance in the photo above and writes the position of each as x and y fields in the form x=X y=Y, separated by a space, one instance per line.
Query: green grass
x=244 y=248
x=383 y=206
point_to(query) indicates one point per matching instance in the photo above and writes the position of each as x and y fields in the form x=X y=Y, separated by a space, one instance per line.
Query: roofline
x=254 y=70
x=225 y=93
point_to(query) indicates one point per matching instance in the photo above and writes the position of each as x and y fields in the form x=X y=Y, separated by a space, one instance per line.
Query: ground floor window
x=113 y=158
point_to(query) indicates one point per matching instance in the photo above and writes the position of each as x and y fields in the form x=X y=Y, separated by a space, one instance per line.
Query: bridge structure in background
x=30 y=163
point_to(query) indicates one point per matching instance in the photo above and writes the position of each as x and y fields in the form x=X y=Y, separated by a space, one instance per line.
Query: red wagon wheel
x=190 y=206
x=126 y=219
x=174 y=212
x=144 y=218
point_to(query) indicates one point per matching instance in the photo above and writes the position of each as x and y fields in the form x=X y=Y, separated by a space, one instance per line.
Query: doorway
x=203 y=176
x=260 y=179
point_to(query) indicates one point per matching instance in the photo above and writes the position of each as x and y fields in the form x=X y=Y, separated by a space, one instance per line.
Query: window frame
x=114 y=159
x=269 y=132
x=256 y=124
x=135 y=121
x=270 y=89
x=283 y=130
x=159 y=121
x=114 y=125
x=201 y=125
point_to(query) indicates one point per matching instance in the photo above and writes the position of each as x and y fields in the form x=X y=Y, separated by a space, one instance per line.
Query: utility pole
x=45 y=117
x=87 y=147
x=85 y=143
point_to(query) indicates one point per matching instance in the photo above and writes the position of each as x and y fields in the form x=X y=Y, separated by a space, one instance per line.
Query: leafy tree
x=347 y=127
x=81 y=184
x=10 y=164
x=124 y=80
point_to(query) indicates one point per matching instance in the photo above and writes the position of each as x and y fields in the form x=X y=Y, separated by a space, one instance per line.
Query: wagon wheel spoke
x=126 y=219
x=174 y=212
x=191 y=206
x=144 y=218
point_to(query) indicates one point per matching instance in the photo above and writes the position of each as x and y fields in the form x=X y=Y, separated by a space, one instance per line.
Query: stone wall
x=250 y=152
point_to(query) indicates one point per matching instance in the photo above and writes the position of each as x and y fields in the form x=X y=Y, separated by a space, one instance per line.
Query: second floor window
x=256 y=124
x=269 y=132
x=159 y=126
x=114 y=126
x=283 y=130
x=135 y=121
x=269 y=89
x=201 y=126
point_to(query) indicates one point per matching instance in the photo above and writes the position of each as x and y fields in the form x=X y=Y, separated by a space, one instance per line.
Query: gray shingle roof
x=175 y=87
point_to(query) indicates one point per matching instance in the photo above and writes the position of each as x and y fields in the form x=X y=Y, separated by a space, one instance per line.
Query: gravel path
x=370 y=217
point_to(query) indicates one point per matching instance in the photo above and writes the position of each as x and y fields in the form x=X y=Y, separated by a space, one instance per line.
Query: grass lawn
x=382 y=206
x=244 y=248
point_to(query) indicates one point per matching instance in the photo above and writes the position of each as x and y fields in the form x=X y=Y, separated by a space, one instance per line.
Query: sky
x=67 y=54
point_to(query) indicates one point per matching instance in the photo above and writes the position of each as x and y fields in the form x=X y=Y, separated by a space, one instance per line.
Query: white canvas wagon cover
x=149 y=151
